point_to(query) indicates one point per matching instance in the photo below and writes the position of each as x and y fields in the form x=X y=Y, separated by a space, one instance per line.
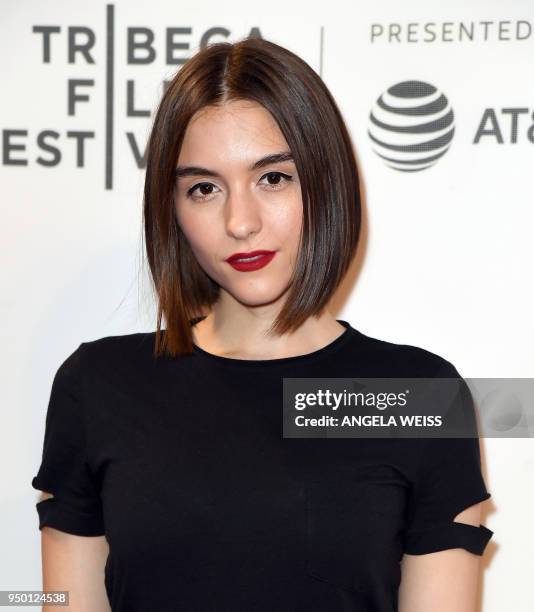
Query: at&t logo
x=411 y=126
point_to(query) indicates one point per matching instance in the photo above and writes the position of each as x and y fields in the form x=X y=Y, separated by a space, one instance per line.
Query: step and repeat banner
x=446 y=254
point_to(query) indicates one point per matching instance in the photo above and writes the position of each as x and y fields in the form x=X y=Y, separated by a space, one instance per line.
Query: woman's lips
x=252 y=262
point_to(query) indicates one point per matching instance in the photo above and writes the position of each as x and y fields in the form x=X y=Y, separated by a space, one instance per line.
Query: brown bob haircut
x=261 y=71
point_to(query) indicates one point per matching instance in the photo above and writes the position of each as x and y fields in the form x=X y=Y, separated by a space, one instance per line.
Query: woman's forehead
x=239 y=132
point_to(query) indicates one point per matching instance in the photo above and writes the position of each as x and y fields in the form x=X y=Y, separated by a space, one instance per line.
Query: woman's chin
x=254 y=295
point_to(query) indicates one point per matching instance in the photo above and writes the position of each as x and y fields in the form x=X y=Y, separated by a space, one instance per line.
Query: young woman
x=170 y=485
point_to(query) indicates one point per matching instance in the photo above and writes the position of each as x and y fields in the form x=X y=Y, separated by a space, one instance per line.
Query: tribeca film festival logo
x=412 y=125
x=78 y=45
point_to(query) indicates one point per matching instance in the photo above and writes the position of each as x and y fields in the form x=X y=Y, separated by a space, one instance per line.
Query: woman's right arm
x=75 y=564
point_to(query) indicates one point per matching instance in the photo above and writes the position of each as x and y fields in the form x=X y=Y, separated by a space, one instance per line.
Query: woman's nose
x=242 y=215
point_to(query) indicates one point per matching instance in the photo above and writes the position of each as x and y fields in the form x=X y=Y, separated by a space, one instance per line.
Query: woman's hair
x=256 y=70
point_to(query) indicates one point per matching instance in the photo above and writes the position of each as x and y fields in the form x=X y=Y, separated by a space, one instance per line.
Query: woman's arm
x=75 y=564
x=444 y=581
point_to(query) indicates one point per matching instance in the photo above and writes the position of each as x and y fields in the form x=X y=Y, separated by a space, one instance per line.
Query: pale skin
x=240 y=210
x=75 y=564
x=244 y=210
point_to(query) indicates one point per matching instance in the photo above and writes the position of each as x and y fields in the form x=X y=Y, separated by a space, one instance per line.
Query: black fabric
x=181 y=464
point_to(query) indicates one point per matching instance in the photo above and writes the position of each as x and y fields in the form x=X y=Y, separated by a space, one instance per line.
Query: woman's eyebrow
x=273 y=158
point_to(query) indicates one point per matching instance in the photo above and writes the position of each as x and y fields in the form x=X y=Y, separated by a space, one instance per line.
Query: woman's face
x=224 y=205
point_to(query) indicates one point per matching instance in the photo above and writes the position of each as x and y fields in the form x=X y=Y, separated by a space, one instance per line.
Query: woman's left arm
x=444 y=581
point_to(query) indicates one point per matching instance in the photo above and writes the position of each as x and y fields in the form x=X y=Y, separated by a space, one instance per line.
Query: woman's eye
x=205 y=190
x=278 y=178
x=275 y=180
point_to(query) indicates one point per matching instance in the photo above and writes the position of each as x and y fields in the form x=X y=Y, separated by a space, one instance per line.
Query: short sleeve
x=449 y=480
x=76 y=507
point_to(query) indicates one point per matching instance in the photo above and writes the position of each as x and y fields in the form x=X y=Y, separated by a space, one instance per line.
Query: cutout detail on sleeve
x=76 y=506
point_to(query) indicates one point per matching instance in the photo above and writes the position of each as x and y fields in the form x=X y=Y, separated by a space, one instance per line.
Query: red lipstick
x=247 y=262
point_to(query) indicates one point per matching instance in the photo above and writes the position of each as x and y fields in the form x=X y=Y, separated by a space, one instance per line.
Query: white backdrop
x=447 y=252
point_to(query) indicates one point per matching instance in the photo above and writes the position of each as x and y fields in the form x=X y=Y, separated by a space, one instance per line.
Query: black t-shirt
x=181 y=464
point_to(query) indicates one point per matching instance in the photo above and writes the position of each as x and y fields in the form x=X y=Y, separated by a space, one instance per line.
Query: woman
x=166 y=447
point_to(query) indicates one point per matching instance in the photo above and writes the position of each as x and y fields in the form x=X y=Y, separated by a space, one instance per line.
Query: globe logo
x=411 y=126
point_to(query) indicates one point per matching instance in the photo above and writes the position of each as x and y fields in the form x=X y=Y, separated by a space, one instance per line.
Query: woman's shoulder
x=121 y=351
x=108 y=355
x=136 y=342
x=412 y=359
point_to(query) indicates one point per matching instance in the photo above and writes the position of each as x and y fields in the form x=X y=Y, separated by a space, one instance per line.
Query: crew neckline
x=324 y=351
